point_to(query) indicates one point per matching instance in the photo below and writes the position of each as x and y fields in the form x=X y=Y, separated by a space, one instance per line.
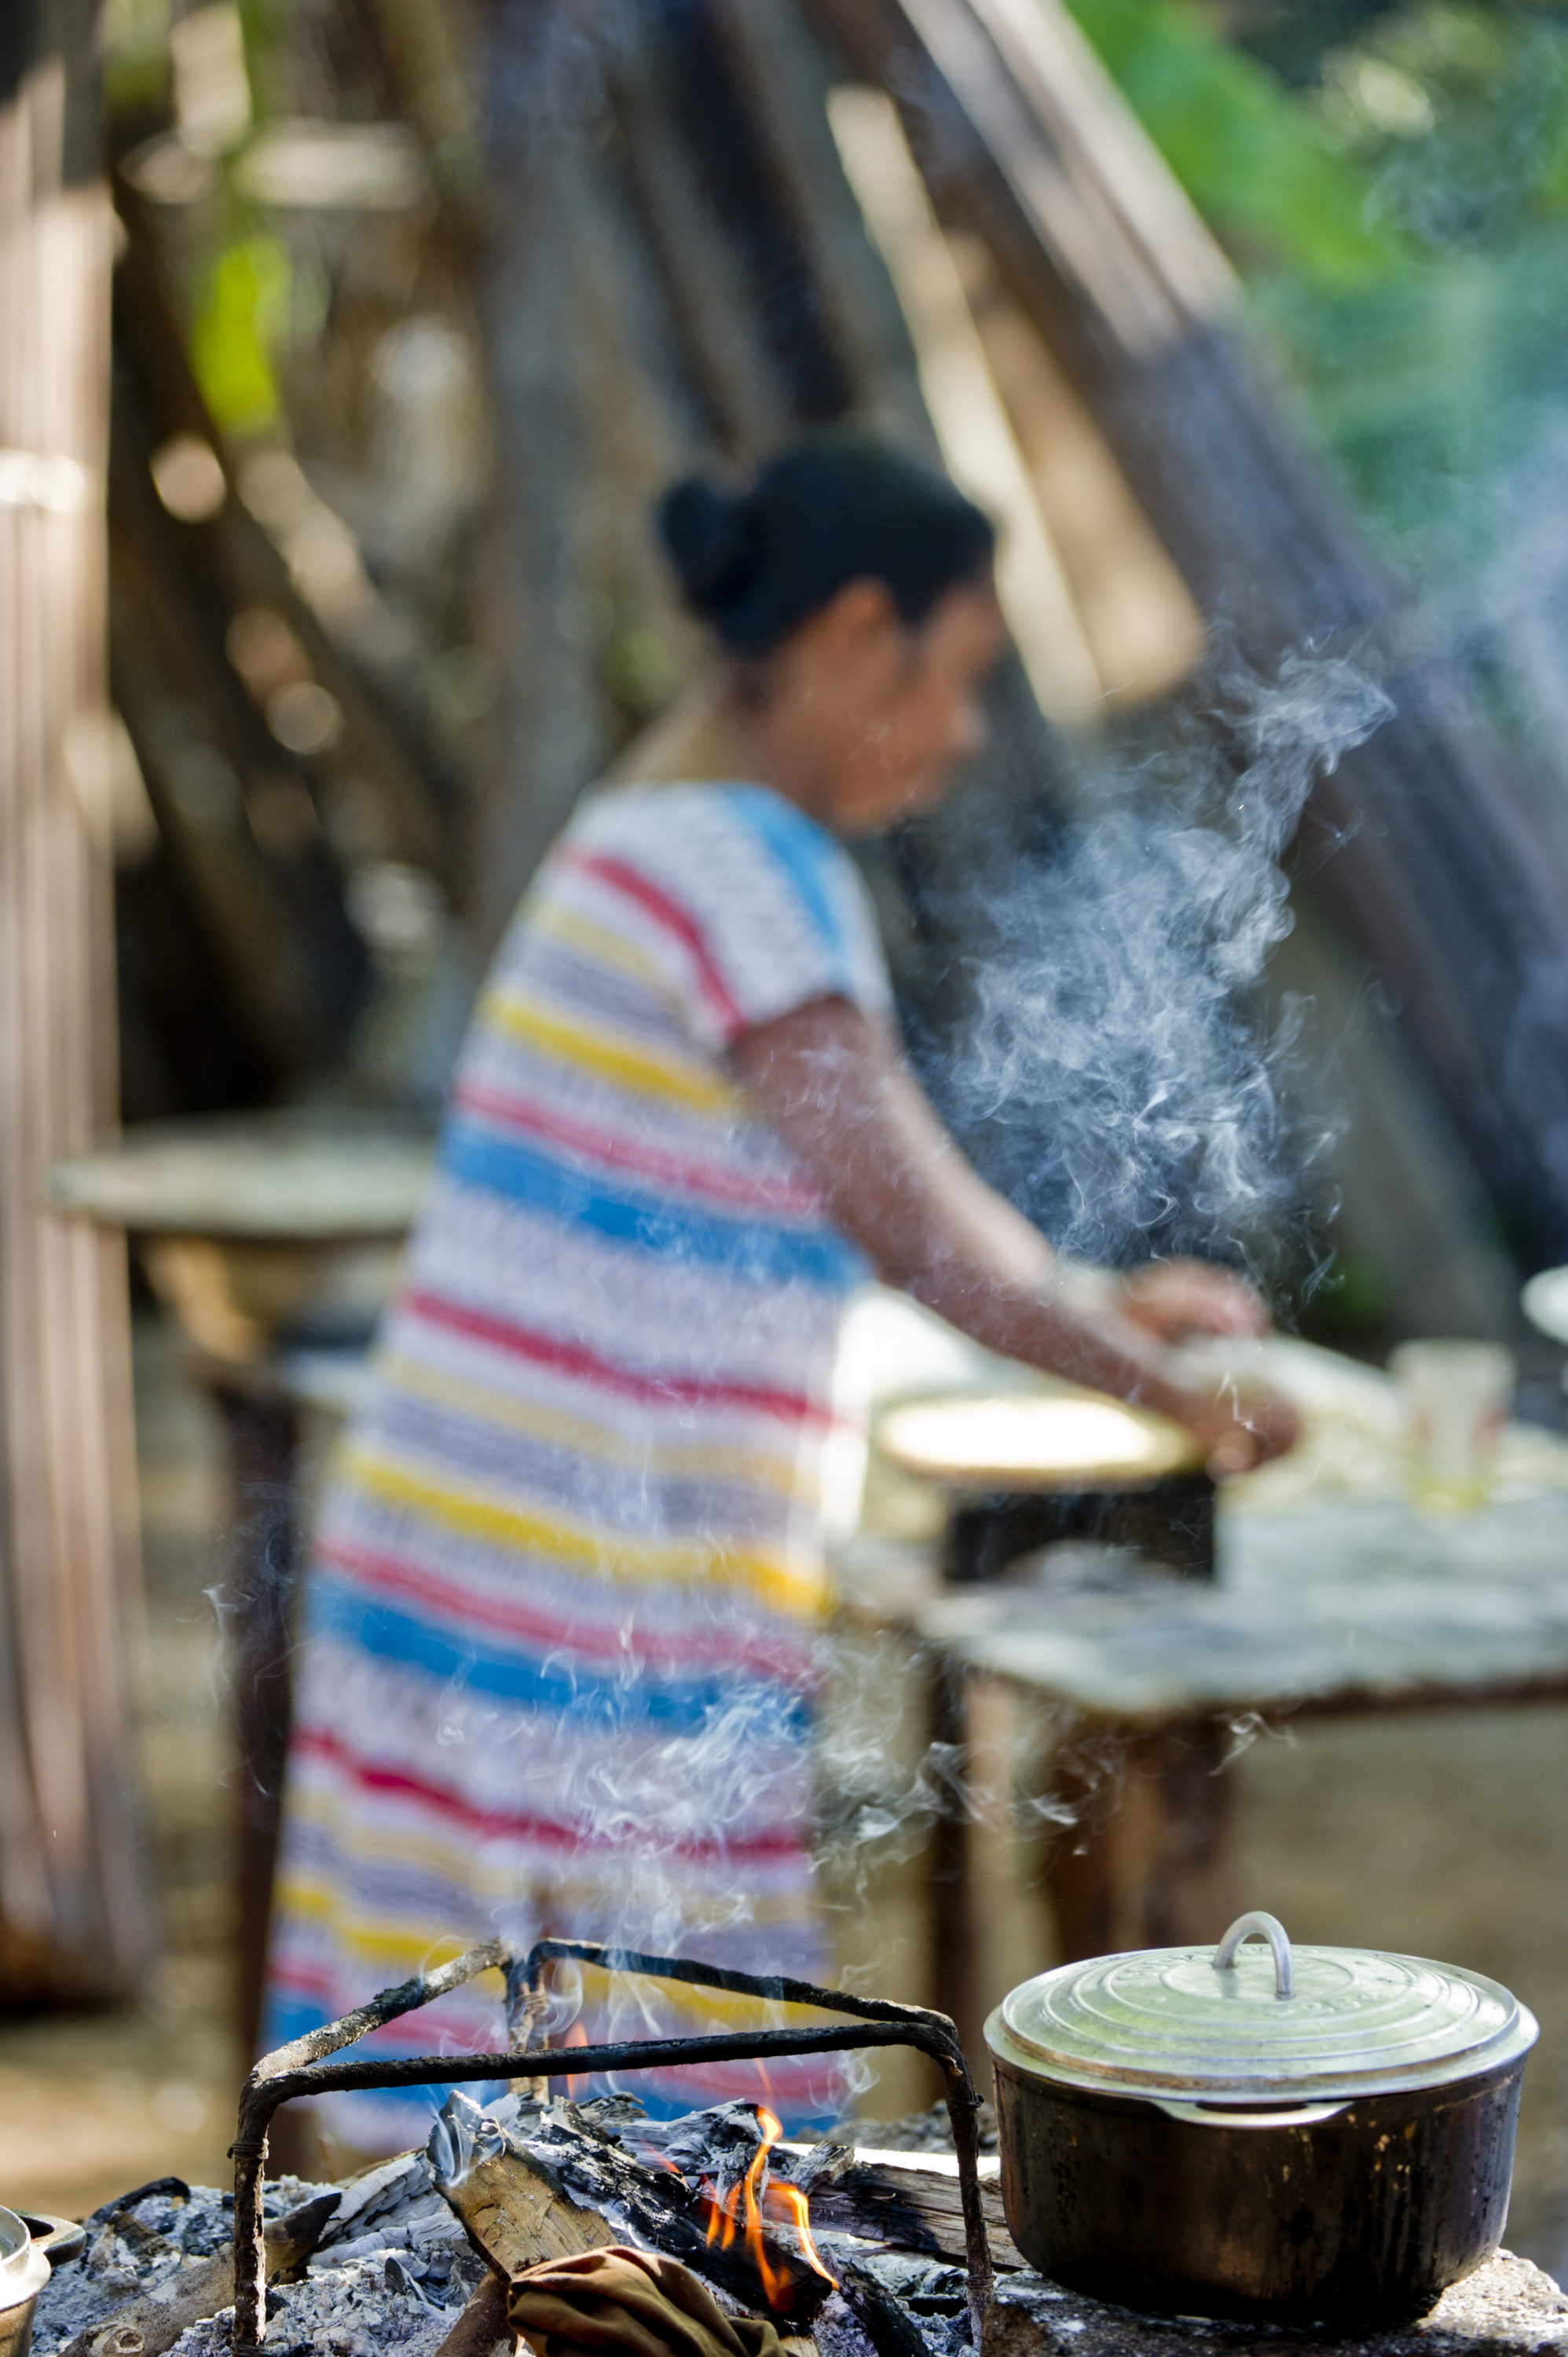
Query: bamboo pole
x=74 y=1918
x=973 y=426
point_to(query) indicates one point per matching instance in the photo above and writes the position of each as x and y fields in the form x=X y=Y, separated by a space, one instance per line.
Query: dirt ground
x=1444 y=1835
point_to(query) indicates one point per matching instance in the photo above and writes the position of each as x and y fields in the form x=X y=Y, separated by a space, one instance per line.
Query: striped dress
x=557 y=1668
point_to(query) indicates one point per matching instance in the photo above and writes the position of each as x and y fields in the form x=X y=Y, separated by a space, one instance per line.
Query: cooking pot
x=1316 y=2135
x=27 y=2245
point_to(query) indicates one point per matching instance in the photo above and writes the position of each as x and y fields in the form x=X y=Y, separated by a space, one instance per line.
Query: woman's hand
x=1238 y=1431
x=1175 y=1298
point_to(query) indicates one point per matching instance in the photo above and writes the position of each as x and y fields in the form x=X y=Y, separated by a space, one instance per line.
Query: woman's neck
x=770 y=747
x=716 y=731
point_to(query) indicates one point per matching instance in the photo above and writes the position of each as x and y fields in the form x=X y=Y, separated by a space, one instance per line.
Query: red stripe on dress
x=394 y=1575
x=667 y=912
x=572 y=1359
x=548 y=1835
x=701 y=1178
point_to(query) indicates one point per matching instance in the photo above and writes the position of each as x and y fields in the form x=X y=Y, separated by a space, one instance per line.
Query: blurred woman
x=557 y=1672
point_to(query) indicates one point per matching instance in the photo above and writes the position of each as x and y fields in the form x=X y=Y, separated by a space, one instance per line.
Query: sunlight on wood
x=971 y=425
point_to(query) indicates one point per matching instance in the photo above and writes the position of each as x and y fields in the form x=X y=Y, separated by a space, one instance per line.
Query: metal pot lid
x=1259 y=2023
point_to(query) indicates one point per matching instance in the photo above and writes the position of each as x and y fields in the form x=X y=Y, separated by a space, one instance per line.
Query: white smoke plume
x=1114 y=1078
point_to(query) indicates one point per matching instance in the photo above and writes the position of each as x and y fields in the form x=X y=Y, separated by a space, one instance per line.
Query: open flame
x=741 y=2213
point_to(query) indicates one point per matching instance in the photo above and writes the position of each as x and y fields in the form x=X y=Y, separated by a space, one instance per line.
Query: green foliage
x=1491 y=159
x=241 y=319
x=135 y=53
x=1402 y=225
x=1254 y=158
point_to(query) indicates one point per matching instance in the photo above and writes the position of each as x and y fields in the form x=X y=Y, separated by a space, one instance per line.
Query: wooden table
x=257 y=1231
x=1334 y=1606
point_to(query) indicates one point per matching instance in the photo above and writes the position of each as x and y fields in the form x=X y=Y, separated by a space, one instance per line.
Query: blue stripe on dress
x=756 y=1251
x=807 y=855
x=338 y=1608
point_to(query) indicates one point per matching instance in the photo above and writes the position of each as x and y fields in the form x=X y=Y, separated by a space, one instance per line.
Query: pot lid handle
x=1259 y=1926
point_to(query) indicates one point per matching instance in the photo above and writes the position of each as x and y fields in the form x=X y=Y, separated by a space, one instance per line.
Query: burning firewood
x=706 y=2202
x=514 y=2206
x=907 y=2210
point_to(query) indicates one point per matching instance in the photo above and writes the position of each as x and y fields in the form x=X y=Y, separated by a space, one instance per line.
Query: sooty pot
x=1324 y=2135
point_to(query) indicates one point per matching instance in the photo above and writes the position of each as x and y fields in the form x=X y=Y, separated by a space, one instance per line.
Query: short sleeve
x=752 y=904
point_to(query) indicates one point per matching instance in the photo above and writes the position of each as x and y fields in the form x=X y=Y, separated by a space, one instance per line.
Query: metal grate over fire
x=842 y=2254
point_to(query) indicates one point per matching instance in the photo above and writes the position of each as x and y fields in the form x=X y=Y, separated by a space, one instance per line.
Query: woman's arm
x=838 y=1092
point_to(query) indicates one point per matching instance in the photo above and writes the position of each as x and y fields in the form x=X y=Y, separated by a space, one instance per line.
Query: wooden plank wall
x=74 y=1918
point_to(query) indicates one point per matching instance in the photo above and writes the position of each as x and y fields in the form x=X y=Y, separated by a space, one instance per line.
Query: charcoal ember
x=713 y=2148
x=394 y=2197
x=620 y=2115
x=926 y=2287
x=158 y=2260
x=377 y=2298
x=885 y=2322
x=821 y=2165
x=700 y=2143
x=422 y=2232
x=139 y=2241
x=838 y=2330
x=935 y=2295
x=370 y=2304
x=899 y=2208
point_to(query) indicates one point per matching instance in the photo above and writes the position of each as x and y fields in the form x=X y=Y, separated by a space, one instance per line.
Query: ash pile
x=851 y=2254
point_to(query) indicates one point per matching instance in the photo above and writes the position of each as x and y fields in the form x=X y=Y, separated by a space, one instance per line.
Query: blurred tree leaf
x=1255 y=158
x=1399 y=215
x=242 y=318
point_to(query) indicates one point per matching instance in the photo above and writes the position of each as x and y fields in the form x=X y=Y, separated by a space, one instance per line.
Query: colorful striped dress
x=557 y=1669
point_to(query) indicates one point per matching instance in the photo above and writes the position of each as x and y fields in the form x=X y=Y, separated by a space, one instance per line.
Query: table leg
x=1148 y=1862
x=263 y=1435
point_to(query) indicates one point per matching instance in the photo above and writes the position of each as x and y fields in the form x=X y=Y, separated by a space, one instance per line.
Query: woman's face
x=886 y=710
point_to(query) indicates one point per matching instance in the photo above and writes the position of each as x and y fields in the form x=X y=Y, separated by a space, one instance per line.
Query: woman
x=557 y=1674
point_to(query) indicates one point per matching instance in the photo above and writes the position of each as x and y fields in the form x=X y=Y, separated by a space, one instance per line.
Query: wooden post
x=1147 y=1862
x=74 y=1915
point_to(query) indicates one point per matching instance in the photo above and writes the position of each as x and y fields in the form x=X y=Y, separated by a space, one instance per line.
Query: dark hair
x=839 y=508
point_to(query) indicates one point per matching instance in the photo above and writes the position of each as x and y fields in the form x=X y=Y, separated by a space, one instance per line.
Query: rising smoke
x=1116 y=1078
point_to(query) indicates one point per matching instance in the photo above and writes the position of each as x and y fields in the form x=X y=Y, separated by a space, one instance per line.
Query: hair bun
x=708 y=537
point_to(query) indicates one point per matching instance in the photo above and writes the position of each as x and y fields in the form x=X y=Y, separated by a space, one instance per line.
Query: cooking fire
x=588 y=2226
x=739 y=2212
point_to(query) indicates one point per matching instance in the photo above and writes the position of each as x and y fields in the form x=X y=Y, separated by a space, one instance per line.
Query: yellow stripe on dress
x=604 y=947
x=744 y=1467
x=610 y=1055
x=575 y=1894
x=798 y=1587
